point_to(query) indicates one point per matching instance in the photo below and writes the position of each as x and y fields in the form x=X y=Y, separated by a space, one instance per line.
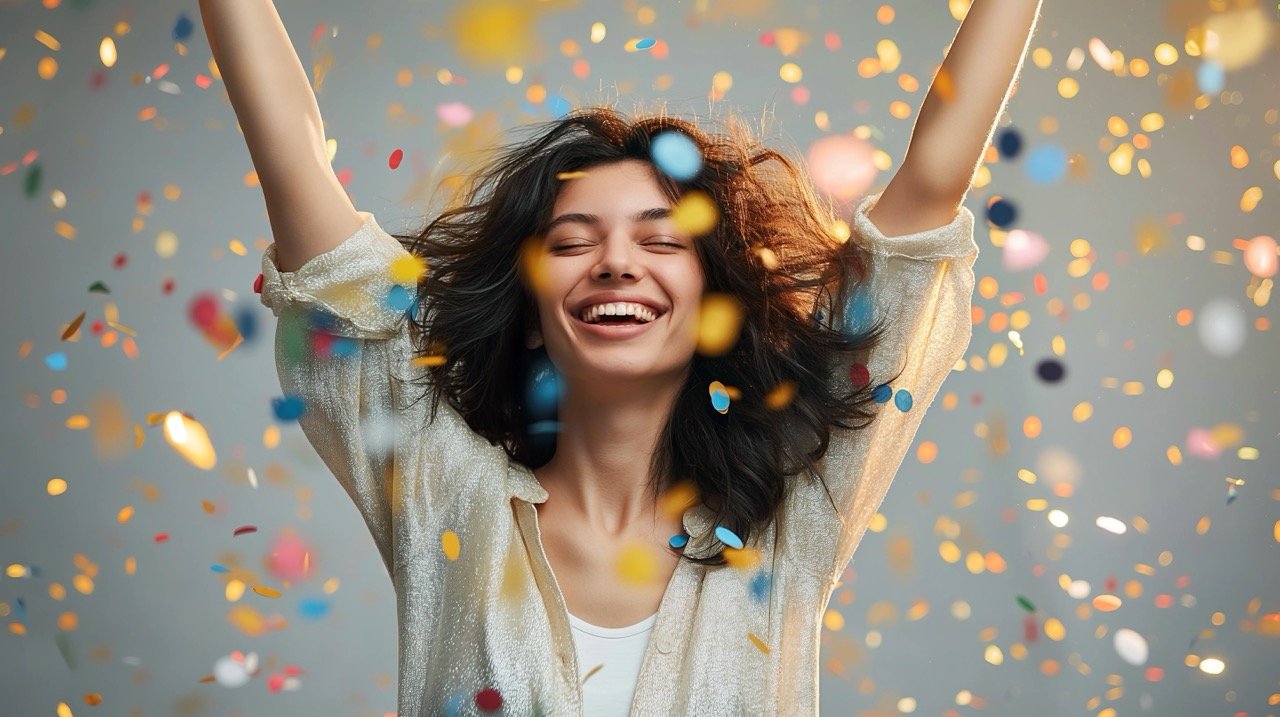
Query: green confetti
x=99 y=287
x=64 y=647
x=31 y=183
x=1026 y=604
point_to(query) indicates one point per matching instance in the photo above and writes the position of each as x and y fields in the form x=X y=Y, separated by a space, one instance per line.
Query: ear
x=533 y=335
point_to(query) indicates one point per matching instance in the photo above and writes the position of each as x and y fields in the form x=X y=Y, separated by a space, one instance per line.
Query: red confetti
x=1030 y=629
x=766 y=39
x=257 y=284
x=120 y=260
x=859 y=374
x=315 y=34
x=161 y=538
x=246 y=529
x=488 y=699
x=167 y=287
x=832 y=41
x=204 y=310
x=160 y=71
x=275 y=682
x=344 y=176
x=98 y=80
x=203 y=81
x=1111 y=585
x=293 y=670
x=395 y=159
x=96 y=327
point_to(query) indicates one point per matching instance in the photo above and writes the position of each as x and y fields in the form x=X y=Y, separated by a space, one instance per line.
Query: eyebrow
x=644 y=216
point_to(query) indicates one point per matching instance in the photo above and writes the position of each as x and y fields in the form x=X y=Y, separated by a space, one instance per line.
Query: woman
x=626 y=535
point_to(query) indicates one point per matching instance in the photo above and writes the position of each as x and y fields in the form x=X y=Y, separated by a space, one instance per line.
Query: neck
x=601 y=467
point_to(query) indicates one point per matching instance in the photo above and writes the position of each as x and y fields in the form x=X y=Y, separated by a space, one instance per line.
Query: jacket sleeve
x=341 y=343
x=923 y=283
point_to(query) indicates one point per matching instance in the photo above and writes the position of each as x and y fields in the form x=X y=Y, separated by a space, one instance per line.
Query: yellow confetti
x=780 y=396
x=695 y=213
x=107 y=52
x=719 y=322
x=742 y=558
x=758 y=643
x=408 y=269
x=190 y=440
x=450 y=544
x=124 y=515
x=636 y=564
x=265 y=591
x=56 y=486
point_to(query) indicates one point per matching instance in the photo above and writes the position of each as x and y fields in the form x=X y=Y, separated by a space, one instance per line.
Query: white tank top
x=620 y=650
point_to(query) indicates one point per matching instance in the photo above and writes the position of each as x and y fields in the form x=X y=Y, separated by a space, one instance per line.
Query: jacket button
x=665 y=643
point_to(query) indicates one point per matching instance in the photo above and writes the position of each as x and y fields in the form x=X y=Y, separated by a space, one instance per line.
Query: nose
x=617 y=260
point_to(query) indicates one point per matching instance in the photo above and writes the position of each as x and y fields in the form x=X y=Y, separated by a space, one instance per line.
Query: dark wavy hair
x=474 y=306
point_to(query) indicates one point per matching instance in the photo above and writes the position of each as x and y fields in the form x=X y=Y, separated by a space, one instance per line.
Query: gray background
x=144 y=641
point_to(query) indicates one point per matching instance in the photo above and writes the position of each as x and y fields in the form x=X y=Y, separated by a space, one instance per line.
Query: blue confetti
x=399 y=299
x=1002 y=213
x=313 y=608
x=1210 y=77
x=343 y=347
x=882 y=393
x=859 y=312
x=544 y=427
x=760 y=585
x=676 y=155
x=219 y=568
x=646 y=43
x=1009 y=143
x=558 y=106
x=454 y=704
x=182 y=28
x=728 y=537
x=56 y=361
x=902 y=399
x=288 y=408
x=679 y=540
x=720 y=401
x=247 y=323
x=544 y=389
x=1047 y=164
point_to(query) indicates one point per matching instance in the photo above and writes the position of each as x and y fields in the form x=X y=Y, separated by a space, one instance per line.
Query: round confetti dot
x=450 y=544
x=182 y=28
x=759 y=585
x=230 y=673
x=543 y=391
x=453 y=114
x=1047 y=164
x=859 y=375
x=1130 y=646
x=720 y=401
x=1221 y=326
x=203 y=310
x=679 y=540
x=288 y=408
x=1260 y=257
x=488 y=700
x=882 y=393
x=1009 y=143
x=728 y=537
x=56 y=361
x=676 y=155
x=1210 y=77
x=859 y=313
x=399 y=299
x=1002 y=213
x=558 y=106
x=396 y=157
x=902 y=399
x=842 y=166
x=313 y=608
x=695 y=213
x=1050 y=370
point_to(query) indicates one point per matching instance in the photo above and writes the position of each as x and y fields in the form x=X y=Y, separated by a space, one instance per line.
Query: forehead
x=618 y=187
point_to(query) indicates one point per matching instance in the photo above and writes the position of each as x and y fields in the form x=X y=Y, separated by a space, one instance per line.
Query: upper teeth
x=592 y=314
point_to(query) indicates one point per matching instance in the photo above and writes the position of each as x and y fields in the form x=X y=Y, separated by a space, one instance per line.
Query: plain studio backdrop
x=990 y=585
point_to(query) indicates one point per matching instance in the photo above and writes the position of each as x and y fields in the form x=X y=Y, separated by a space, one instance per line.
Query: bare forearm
x=266 y=83
x=967 y=97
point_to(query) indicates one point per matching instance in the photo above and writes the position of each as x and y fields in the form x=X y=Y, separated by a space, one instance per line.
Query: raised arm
x=958 y=117
x=309 y=211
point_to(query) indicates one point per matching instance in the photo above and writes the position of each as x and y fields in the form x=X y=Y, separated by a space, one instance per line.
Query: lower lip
x=614 y=331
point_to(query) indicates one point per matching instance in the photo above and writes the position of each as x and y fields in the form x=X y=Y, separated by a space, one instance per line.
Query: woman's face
x=613 y=249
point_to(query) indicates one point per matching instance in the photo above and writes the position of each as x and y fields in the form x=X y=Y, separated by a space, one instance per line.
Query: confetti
x=676 y=155
x=728 y=537
x=450 y=544
x=244 y=529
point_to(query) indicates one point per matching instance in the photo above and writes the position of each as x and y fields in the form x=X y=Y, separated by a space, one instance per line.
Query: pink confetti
x=454 y=114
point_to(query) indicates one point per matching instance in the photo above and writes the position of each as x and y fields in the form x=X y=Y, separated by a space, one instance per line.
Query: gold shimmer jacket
x=490 y=626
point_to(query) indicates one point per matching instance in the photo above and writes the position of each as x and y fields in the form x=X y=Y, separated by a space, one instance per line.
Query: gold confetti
x=636 y=564
x=780 y=396
x=450 y=544
x=758 y=643
x=695 y=213
x=190 y=440
x=265 y=591
x=719 y=321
